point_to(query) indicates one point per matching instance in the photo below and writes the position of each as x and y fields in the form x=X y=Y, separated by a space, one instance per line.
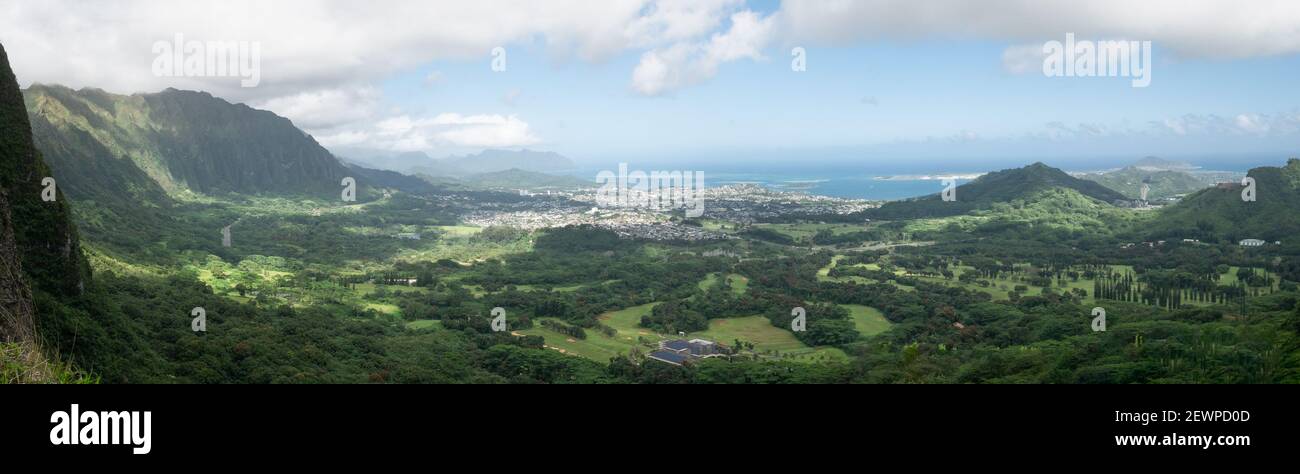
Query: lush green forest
x=295 y=318
x=397 y=287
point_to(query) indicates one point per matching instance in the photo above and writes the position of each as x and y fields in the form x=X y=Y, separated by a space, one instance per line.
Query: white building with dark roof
x=680 y=352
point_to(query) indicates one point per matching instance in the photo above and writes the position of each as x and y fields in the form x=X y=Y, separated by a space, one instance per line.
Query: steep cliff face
x=44 y=236
x=49 y=310
x=17 y=317
x=20 y=355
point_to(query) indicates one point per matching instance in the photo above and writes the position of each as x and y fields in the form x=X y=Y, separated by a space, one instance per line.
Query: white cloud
x=1057 y=130
x=1254 y=125
x=306 y=44
x=669 y=21
x=322 y=60
x=1202 y=28
x=1244 y=124
x=348 y=138
x=688 y=63
x=487 y=131
x=317 y=44
x=660 y=71
x=403 y=133
x=325 y=108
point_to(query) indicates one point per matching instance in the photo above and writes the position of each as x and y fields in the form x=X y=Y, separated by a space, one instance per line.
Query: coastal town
x=734 y=203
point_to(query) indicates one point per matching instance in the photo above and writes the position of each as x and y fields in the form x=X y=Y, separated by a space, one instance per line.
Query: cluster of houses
x=1243 y=243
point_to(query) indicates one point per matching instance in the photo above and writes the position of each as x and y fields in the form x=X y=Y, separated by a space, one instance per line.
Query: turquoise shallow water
x=861 y=182
x=852 y=185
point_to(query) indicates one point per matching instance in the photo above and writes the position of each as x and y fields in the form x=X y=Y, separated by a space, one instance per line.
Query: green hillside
x=997 y=187
x=183 y=141
x=1164 y=183
x=1220 y=215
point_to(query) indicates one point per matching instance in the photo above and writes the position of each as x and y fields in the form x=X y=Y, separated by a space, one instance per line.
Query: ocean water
x=876 y=188
x=885 y=180
x=849 y=184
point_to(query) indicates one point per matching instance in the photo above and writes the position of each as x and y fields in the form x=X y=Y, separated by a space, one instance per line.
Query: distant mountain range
x=520 y=179
x=997 y=187
x=488 y=161
x=408 y=162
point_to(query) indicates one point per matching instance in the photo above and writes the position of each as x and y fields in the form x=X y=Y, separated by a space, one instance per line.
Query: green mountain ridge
x=996 y=187
x=183 y=141
x=127 y=162
x=1219 y=214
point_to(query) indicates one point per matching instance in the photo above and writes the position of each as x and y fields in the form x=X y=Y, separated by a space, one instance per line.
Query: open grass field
x=598 y=346
x=368 y=288
x=804 y=232
x=458 y=243
x=425 y=324
x=627 y=322
x=867 y=320
x=824 y=273
x=767 y=339
x=755 y=329
x=453 y=231
x=718 y=226
x=383 y=308
x=1230 y=278
x=1001 y=288
x=739 y=283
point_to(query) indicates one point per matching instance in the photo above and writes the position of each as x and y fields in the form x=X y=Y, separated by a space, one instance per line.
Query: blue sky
x=925 y=98
x=942 y=83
